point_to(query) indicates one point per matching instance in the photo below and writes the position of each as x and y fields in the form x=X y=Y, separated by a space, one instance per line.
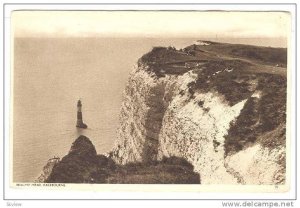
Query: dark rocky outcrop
x=83 y=165
x=78 y=166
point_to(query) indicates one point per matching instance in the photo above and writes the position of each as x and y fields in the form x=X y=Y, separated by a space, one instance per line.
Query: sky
x=150 y=24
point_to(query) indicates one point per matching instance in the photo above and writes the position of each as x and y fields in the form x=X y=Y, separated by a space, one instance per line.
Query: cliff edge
x=222 y=107
x=211 y=110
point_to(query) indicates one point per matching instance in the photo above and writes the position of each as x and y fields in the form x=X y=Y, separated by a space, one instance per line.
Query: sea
x=51 y=74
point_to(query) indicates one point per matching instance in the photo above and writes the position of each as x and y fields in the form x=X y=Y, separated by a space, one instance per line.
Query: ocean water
x=51 y=74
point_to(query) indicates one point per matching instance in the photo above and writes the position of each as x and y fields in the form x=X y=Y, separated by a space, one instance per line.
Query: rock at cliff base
x=83 y=165
x=47 y=170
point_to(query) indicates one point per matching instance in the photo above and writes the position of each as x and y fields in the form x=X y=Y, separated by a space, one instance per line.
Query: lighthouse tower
x=80 y=123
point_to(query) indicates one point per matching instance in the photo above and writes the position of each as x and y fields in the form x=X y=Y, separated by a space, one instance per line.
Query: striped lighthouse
x=79 y=122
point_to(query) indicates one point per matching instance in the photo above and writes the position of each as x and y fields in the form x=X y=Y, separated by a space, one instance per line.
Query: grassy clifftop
x=83 y=165
x=236 y=72
x=267 y=55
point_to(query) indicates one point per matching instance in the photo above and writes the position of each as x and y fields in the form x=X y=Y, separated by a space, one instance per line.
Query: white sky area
x=150 y=24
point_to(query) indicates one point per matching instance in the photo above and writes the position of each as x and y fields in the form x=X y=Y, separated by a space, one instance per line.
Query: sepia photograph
x=150 y=97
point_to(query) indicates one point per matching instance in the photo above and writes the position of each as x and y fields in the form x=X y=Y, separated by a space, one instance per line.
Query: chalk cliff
x=212 y=111
x=222 y=111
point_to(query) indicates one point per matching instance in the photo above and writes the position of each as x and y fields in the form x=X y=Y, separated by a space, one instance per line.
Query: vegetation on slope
x=260 y=116
x=236 y=72
x=171 y=170
x=227 y=77
x=83 y=165
x=162 y=61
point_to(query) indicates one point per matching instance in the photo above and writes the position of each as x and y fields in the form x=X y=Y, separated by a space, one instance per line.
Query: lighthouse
x=79 y=123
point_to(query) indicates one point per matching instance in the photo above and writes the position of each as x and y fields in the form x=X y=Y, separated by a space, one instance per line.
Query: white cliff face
x=258 y=165
x=197 y=134
x=160 y=117
x=140 y=119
